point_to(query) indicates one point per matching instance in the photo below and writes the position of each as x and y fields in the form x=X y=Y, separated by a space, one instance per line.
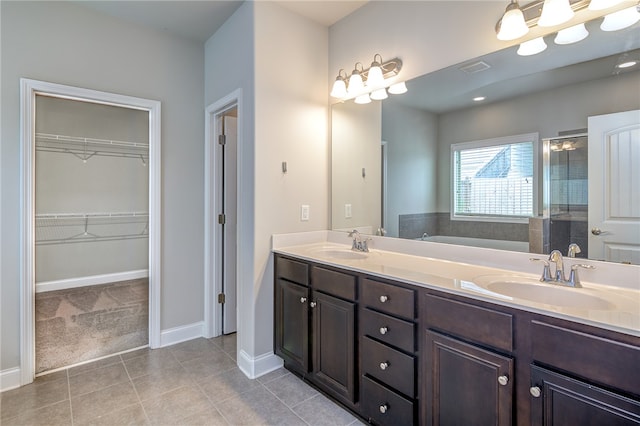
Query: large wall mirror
x=392 y=159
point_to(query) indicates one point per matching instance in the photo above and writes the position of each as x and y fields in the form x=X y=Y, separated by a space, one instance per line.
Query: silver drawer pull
x=503 y=380
x=383 y=408
x=384 y=365
x=303 y=299
x=383 y=330
x=535 y=391
x=383 y=298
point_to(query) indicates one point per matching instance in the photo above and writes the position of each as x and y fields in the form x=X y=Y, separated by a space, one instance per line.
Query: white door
x=614 y=187
x=229 y=281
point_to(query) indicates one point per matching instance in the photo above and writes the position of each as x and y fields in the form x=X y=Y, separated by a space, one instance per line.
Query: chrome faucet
x=556 y=257
x=358 y=243
x=573 y=250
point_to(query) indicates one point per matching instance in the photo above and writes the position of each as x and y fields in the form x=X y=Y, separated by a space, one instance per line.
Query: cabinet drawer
x=389 y=298
x=600 y=360
x=385 y=406
x=389 y=366
x=394 y=331
x=333 y=282
x=481 y=325
x=292 y=270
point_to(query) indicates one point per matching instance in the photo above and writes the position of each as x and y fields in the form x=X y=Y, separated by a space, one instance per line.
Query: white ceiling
x=200 y=19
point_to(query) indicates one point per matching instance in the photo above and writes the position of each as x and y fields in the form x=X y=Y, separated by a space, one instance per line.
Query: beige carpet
x=85 y=323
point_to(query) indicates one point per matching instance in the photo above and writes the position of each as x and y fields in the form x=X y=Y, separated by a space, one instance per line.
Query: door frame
x=212 y=234
x=28 y=90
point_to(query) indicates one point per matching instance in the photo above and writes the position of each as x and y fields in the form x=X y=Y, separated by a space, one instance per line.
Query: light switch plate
x=347 y=211
x=304 y=212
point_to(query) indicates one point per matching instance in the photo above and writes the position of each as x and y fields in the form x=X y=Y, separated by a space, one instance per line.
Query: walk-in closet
x=91 y=231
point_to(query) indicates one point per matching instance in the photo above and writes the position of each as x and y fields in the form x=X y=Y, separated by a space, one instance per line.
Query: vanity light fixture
x=603 y=4
x=366 y=84
x=555 y=12
x=621 y=19
x=512 y=24
x=532 y=47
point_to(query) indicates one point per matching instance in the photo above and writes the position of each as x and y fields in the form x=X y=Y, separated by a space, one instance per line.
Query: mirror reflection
x=392 y=161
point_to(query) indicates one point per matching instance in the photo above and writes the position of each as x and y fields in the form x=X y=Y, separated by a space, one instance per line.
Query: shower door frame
x=28 y=91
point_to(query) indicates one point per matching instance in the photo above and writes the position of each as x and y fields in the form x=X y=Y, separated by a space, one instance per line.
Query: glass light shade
x=355 y=82
x=621 y=19
x=398 y=88
x=532 y=47
x=555 y=12
x=572 y=34
x=378 y=95
x=339 y=89
x=512 y=25
x=363 y=99
x=602 y=4
x=375 y=77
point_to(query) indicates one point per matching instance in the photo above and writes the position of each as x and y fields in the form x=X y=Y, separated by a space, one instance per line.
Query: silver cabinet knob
x=303 y=299
x=535 y=391
x=383 y=330
x=384 y=365
x=383 y=298
x=596 y=231
x=503 y=380
x=313 y=304
x=383 y=408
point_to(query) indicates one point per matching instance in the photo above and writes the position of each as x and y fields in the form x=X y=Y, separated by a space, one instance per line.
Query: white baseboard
x=10 y=379
x=183 y=333
x=254 y=367
x=91 y=280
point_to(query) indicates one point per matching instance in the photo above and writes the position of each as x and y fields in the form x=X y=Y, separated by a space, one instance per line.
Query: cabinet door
x=334 y=344
x=560 y=400
x=292 y=324
x=465 y=384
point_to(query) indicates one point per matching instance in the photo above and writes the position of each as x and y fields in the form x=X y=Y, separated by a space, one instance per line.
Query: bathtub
x=521 y=246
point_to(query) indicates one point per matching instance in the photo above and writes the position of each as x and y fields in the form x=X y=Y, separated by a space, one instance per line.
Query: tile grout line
x=213 y=405
x=286 y=405
x=135 y=390
x=69 y=393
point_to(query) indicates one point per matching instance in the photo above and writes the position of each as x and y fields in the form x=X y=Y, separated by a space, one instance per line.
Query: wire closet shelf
x=67 y=228
x=85 y=148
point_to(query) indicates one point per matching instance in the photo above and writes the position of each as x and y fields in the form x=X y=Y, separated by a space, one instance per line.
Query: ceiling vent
x=474 y=67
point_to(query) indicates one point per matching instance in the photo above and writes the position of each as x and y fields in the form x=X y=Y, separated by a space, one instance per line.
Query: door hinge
x=222 y=219
x=222 y=139
x=221 y=298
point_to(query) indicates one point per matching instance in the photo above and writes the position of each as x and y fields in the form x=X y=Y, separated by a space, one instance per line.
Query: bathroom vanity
x=399 y=340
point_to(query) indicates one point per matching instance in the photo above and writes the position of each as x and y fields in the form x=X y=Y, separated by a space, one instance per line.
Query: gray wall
x=65 y=43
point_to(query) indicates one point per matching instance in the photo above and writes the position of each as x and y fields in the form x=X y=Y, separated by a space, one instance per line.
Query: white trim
x=182 y=333
x=10 y=379
x=90 y=280
x=28 y=90
x=254 y=367
x=212 y=283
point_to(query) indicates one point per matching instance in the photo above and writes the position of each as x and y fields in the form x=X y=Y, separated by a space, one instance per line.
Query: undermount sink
x=546 y=293
x=338 y=253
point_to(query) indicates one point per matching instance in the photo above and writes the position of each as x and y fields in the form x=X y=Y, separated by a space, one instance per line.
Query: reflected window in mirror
x=494 y=179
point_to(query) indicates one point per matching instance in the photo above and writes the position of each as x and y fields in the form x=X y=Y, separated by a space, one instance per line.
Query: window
x=494 y=179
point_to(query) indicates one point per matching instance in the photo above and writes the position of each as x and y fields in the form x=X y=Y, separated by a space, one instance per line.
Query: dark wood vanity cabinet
x=465 y=379
x=315 y=320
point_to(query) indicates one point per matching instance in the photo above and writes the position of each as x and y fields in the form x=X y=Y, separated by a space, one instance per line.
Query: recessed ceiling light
x=479 y=98
x=627 y=64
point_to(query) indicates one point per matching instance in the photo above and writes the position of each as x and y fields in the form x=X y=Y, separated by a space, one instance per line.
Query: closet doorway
x=91 y=225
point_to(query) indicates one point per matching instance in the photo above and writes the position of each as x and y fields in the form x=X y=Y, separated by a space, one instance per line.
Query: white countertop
x=615 y=308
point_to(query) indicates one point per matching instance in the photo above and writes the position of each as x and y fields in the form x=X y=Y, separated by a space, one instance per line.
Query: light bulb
x=512 y=25
x=378 y=95
x=532 y=47
x=339 y=89
x=572 y=34
x=363 y=99
x=374 y=76
x=355 y=81
x=398 y=88
x=621 y=19
x=555 y=12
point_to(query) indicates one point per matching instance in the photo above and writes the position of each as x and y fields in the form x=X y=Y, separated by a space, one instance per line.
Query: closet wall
x=91 y=190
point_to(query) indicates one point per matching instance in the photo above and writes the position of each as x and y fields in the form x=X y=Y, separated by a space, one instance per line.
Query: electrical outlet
x=347 y=211
x=304 y=212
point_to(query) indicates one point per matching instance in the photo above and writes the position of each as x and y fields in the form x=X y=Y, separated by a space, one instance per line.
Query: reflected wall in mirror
x=552 y=94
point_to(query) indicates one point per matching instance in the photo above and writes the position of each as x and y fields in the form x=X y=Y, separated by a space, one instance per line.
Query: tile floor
x=191 y=383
